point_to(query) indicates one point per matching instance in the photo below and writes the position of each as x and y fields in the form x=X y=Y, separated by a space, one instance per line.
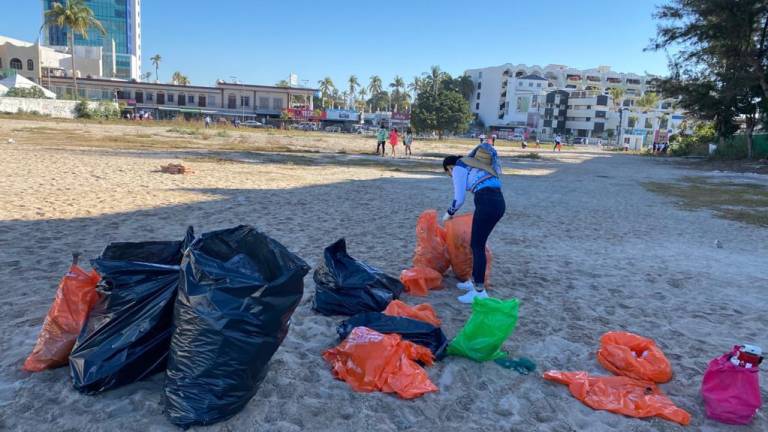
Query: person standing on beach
x=479 y=173
x=557 y=143
x=393 y=141
x=407 y=141
x=207 y=122
x=381 y=140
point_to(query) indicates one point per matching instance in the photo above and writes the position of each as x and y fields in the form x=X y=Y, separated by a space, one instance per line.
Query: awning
x=167 y=109
x=189 y=110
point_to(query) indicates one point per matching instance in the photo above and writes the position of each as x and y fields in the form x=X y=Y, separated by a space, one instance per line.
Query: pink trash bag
x=731 y=393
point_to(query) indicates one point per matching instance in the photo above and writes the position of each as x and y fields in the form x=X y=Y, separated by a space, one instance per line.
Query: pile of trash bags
x=639 y=364
x=731 y=393
x=209 y=312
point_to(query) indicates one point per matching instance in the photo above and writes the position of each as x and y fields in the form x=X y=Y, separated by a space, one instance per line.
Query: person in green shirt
x=381 y=140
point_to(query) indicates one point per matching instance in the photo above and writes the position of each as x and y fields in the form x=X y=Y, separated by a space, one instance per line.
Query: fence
x=47 y=107
x=736 y=147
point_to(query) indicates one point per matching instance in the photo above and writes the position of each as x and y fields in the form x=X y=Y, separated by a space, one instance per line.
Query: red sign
x=401 y=116
x=305 y=114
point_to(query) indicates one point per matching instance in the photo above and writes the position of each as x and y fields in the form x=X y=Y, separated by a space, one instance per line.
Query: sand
x=584 y=246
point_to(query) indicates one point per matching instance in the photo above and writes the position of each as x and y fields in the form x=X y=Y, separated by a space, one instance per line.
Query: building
x=166 y=101
x=120 y=48
x=37 y=63
x=527 y=100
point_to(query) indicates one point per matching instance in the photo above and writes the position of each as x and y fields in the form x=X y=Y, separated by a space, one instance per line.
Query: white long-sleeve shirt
x=467 y=178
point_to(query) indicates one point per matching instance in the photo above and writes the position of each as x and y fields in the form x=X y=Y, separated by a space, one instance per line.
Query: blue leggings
x=489 y=209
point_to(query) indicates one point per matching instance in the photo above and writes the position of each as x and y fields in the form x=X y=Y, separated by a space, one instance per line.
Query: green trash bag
x=491 y=323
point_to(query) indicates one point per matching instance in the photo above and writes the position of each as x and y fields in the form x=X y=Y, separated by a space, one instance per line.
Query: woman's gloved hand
x=447 y=216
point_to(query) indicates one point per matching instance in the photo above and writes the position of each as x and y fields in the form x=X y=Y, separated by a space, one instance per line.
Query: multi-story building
x=556 y=99
x=121 y=46
x=165 y=101
x=38 y=63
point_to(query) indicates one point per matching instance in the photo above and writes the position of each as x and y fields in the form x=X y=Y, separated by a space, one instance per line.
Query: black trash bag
x=418 y=332
x=238 y=291
x=346 y=286
x=128 y=333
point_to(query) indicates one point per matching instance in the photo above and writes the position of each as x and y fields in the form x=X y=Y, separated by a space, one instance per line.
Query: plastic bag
x=128 y=333
x=419 y=280
x=731 y=393
x=431 y=249
x=346 y=286
x=238 y=291
x=368 y=361
x=75 y=298
x=459 y=236
x=634 y=356
x=620 y=395
x=418 y=332
x=422 y=312
x=491 y=323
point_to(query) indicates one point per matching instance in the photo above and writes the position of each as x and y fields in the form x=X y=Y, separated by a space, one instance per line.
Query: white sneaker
x=470 y=297
x=466 y=286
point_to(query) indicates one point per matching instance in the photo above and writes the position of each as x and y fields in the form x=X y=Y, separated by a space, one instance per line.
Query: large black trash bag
x=346 y=286
x=128 y=333
x=238 y=291
x=419 y=332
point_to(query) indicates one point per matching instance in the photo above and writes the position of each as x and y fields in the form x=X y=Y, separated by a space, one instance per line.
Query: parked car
x=578 y=141
x=517 y=137
x=252 y=124
x=333 y=128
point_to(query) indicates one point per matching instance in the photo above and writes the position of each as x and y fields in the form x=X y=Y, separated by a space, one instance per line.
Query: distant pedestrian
x=381 y=140
x=393 y=141
x=493 y=140
x=207 y=122
x=407 y=141
x=558 y=143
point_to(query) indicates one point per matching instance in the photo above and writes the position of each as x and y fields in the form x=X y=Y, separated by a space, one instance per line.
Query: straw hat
x=481 y=160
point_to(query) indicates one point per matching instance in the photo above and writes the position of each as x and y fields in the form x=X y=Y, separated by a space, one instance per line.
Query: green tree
x=326 y=87
x=30 y=93
x=76 y=17
x=283 y=83
x=720 y=66
x=447 y=111
x=353 y=85
x=362 y=102
x=156 y=59
x=379 y=101
x=414 y=87
x=375 y=85
x=180 y=79
x=617 y=96
x=397 y=86
x=648 y=101
x=433 y=77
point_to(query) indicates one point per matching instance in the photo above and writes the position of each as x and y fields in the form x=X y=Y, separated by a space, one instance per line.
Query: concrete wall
x=51 y=107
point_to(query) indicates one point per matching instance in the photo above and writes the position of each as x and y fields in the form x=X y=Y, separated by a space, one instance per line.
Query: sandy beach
x=585 y=246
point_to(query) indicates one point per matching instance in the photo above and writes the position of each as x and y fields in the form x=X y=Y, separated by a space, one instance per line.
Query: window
x=232 y=101
x=589 y=106
x=519 y=83
x=277 y=104
x=16 y=64
x=245 y=101
x=264 y=103
x=30 y=65
x=149 y=97
x=182 y=99
x=201 y=101
x=479 y=85
x=648 y=124
x=530 y=84
x=170 y=98
x=477 y=106
x=191 y=99
x=139 y=97
x=478 y=95
x=538 y=85
x=161 y=98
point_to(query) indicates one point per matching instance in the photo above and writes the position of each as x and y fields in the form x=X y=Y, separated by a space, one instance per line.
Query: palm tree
x=180 y=79
x=326 y=88
x=283 y=83
x=156 y=59
x=363 y=93
x=415 y=86
x=648 y=101
x=375 y=86
x=78 y=18
x=435 y=75
x=146 y=76
x=353 y=85
x=396 y=85
x=617 y=94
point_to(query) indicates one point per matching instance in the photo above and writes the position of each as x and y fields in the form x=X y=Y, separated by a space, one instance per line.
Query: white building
x=557 y=99
x=38 y=63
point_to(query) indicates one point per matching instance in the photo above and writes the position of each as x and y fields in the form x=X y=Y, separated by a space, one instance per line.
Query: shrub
x=83 y=110
x=31 y=93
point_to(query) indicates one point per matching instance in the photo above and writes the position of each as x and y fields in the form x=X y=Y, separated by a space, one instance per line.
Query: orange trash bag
x=368 y=361
x=633 y=356
x=422 y=312
x=620 y=395
x=431 y=250
x=458 y=237
x=74 y=300
x=419 y=280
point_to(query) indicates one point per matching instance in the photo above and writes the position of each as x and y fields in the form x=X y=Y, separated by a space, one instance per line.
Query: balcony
x=593 y=79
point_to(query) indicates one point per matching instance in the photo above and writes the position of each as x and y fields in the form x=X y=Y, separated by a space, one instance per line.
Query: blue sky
x=262 y=41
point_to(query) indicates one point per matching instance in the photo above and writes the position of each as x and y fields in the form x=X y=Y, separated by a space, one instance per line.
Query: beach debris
x=346 y=286
x=523 y=366
x=128 y=332
x=620 y=395
x=422 y=312
x=730 y=389
x=458 y=236
x=634 y=356
x=74 y=299
x=419 y=280
x=173 y=168
x=370 y=361
x=431 y=248
x=416 y=331
x=11 y=141
x=240 y=288
x=491 y=323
